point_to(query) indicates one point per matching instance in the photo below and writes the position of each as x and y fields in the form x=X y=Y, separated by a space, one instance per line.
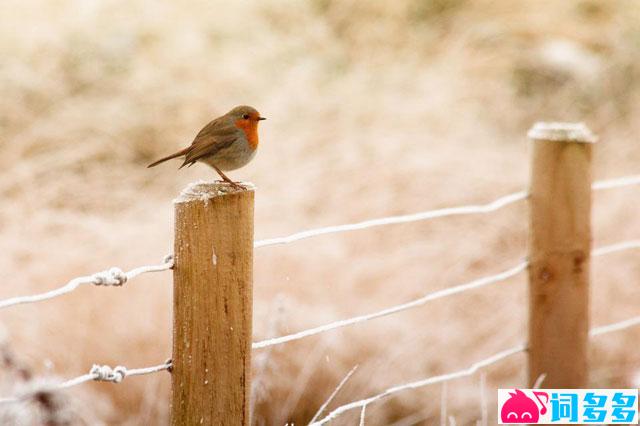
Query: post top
x=204 y=191
x=562 y=132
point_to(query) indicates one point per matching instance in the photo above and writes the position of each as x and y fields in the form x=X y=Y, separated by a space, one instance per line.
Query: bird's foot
x=238 y=186
x=235 y=185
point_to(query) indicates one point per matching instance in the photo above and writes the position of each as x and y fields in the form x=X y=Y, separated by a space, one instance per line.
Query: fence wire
x=111 y=277
x=616 y=326
x=613 y=248
x=116 y=277
x=390 y=220
x=439 y=294
x=421 y=383
x=116 y=375
x=492 y=206
x=616 y=182
x=469 y=371
x=481 y=282
x=100 y=373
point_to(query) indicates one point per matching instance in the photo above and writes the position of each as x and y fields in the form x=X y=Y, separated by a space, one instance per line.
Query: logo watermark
x=567 y=406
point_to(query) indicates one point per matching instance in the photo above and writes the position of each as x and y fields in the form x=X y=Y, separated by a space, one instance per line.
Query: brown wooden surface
x=559 y=247
x=212 y=306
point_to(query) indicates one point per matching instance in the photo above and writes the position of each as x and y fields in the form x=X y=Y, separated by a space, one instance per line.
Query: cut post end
x=562 y=132
x=203 y=191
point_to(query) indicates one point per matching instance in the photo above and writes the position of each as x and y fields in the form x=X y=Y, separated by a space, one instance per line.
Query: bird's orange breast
x=250 y=129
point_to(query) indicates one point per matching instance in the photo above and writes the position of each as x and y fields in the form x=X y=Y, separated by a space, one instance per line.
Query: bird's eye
x=245 y=116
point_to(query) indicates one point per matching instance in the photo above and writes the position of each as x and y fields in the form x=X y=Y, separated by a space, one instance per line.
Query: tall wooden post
x=212 y=306
x=559 y=254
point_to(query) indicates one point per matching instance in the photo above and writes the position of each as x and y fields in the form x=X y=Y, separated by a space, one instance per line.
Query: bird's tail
x=169 y=157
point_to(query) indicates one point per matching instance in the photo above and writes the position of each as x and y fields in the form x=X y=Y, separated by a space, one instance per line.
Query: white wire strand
x=102 y=373
x=616 y=326
x=116 y=375
x=616 y=182
x=478 y=283
x=421 y=383
x=481 y=282
x=614 y=248
x=116 y=277
x=597 y=331
x=430 y=214
x=112 y=277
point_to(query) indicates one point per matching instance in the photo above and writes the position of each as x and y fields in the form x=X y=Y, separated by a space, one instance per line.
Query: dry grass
x=374 y=108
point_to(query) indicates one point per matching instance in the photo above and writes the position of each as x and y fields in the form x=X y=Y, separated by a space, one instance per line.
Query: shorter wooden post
x=560 y=248
x=212 y=306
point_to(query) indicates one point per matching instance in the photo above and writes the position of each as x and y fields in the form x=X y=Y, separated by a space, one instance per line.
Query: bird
x=226 y=143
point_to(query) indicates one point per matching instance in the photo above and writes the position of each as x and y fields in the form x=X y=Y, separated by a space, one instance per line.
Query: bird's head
x=247 y=118
x=246 y=114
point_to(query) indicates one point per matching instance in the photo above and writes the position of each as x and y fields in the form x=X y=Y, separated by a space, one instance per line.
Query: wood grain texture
x=560 y=249
x=212 y=309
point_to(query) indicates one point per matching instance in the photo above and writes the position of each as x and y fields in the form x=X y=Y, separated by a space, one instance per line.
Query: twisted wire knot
x=169 y=260
x=114 y=276
x=104 y=373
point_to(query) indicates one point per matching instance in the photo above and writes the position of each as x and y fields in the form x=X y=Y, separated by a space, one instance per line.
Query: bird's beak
x=261 y=118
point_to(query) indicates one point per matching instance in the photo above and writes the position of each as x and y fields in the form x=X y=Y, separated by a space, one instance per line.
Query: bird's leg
x=226 y=179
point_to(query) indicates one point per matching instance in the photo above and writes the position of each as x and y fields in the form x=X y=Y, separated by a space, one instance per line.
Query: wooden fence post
x=559 y=254
x=212 y=305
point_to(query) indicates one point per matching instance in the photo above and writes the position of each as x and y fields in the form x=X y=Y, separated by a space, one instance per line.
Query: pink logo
x=519 y=408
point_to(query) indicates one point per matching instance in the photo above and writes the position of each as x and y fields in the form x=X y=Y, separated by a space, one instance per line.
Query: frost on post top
x=203 y=191
x=561 y=132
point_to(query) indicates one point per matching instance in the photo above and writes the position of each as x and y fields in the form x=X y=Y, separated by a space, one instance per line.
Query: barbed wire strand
x=102 y=373
x=477 y=283
x=432 y=214
x=597 y=331
x=110 y=277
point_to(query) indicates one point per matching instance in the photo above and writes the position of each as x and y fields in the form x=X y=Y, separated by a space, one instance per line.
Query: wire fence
x=116 y=277
x=116 y=375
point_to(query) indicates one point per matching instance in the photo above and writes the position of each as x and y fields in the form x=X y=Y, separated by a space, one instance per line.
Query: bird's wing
x=214 y=137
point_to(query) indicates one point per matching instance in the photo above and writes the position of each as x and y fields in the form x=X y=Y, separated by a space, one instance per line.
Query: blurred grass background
x=375 y=108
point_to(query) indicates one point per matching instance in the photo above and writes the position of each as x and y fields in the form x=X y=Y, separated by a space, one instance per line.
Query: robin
x=226 y=143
